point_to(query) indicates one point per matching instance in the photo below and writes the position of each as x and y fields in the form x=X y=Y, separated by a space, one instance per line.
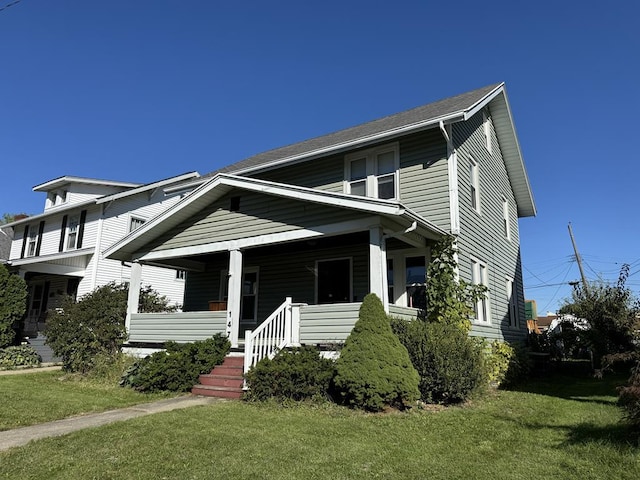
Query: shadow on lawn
x=575 y=382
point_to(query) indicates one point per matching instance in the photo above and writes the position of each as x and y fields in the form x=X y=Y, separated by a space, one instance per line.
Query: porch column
x=378 y=266
x=234 y=296
x=134 y=292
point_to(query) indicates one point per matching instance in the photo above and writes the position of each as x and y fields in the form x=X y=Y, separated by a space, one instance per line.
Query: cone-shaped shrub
x=374 y=369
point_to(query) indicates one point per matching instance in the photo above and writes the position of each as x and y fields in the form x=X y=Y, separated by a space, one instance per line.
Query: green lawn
x=567 y=429
x=41 y=397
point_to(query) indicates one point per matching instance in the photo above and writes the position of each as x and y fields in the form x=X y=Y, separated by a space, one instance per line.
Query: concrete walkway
x=22 y=436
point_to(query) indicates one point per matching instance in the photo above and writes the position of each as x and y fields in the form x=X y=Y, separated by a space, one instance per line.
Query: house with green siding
x=281 y=248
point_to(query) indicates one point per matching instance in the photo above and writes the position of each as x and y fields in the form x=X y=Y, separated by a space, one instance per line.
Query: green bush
x=374 y=369
x=177 y=368
x=13 y=304
x=19 y=356
x=79 y=332
x=293 y=374
x=449 y=362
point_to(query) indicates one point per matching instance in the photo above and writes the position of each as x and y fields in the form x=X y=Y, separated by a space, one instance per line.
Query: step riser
x=234 y=394
x=230 y=372
x=221 y=382
x=233 y=362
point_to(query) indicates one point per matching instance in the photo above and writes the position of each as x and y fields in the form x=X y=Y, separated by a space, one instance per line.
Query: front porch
x=291 y=324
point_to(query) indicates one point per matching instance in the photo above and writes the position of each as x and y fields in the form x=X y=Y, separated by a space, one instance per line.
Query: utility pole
x=579 y=260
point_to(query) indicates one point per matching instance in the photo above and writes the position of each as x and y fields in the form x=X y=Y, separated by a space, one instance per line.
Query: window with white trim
x=181 y=274
x=32 y=241
x=512 y=302
x=486 y=128
x=135 y=223
x=72 y=232
x=474 y=184
x=505 y=218
x=480 y=276
x=373 y=172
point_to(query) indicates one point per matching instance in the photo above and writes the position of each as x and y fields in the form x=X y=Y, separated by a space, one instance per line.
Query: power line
x=9 y=5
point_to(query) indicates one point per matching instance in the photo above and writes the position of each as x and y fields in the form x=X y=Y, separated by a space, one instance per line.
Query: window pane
x=358 y=169
x=416 y=271
x=359 y=188
x=386 y=187
x=386 y=163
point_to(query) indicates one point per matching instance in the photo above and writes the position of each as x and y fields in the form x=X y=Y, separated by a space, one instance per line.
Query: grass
x=559 y=428
x=35 y=398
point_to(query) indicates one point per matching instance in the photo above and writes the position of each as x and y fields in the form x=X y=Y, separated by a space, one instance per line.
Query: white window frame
x=474 y=184
x=181 y=275
x=372 y=176
x=506 y=218
x=135 y=218
x=32 y=241
x=486 y=129
x=512 y=303
x=399 y=259
x=480 y=276
x=71 y=235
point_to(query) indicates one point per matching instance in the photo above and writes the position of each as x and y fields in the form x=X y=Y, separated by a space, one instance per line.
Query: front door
x=249 y=304
x=37 y=306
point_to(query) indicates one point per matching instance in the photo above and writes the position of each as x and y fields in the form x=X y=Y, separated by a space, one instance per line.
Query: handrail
x=274 y=334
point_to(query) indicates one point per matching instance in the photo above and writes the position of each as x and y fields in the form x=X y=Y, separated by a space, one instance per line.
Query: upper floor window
x=480 y=276
x=135 y=223
x=505 y=218
x=373 y=172
x=32 y=241
x=486 y=128
x=72 y=232
x=474 y=182
x=181 y=274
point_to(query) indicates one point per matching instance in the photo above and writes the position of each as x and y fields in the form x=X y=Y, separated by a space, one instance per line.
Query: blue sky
x=142 y=90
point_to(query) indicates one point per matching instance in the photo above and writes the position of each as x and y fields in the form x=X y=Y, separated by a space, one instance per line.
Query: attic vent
x=234 y=205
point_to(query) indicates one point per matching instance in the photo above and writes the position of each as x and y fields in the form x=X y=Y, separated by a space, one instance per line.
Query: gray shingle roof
x=432 y=111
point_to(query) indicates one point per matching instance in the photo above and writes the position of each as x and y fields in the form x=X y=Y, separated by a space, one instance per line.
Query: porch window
x=373 y=172
x=479 y=276
x=415 y=284
x=333 y=281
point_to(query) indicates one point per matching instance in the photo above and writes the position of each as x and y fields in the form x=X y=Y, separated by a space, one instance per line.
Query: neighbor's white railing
x=281 y=329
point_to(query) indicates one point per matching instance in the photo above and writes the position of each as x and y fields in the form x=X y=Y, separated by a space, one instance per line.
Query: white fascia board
x=260 y=240
x=53 y=269
x=484 y=101
x=58 y=182
x=52 y=257
x=146 y=187
x=51 y=212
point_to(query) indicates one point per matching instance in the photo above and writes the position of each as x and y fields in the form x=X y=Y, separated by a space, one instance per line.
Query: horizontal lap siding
x=323 y=173
x=259 y=215
x=424 y=181
x=179 y=327
x=482 y=235
x=327 y=323
x=406 y=313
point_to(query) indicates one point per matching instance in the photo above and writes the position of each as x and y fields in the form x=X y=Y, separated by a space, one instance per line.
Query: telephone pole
x=579 y=260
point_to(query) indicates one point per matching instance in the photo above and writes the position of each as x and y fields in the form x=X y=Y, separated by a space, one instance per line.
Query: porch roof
x=138 y=245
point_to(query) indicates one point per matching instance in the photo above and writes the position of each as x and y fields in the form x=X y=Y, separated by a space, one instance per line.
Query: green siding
x=324 y=173
x=179 y=327
x=327 y=323
x=482 y=234
x=259 y=214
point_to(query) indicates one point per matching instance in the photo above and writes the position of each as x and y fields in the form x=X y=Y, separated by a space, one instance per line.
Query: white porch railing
x=280 y=330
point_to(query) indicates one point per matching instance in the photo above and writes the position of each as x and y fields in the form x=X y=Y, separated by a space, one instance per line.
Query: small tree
x=78 y=332
x=374 y=369
x=13 y=304
x=449 y=299
x=612 y=314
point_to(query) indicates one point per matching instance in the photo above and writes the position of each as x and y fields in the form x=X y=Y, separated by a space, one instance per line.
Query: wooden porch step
x=224 y=381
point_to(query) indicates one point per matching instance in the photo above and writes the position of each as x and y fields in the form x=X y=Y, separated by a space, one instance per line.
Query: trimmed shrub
x=449 y=362
x=374 y=369
x=293 y=374
x=79 y=332
x=19 y=356
x=177 y=368
x=13 y=304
